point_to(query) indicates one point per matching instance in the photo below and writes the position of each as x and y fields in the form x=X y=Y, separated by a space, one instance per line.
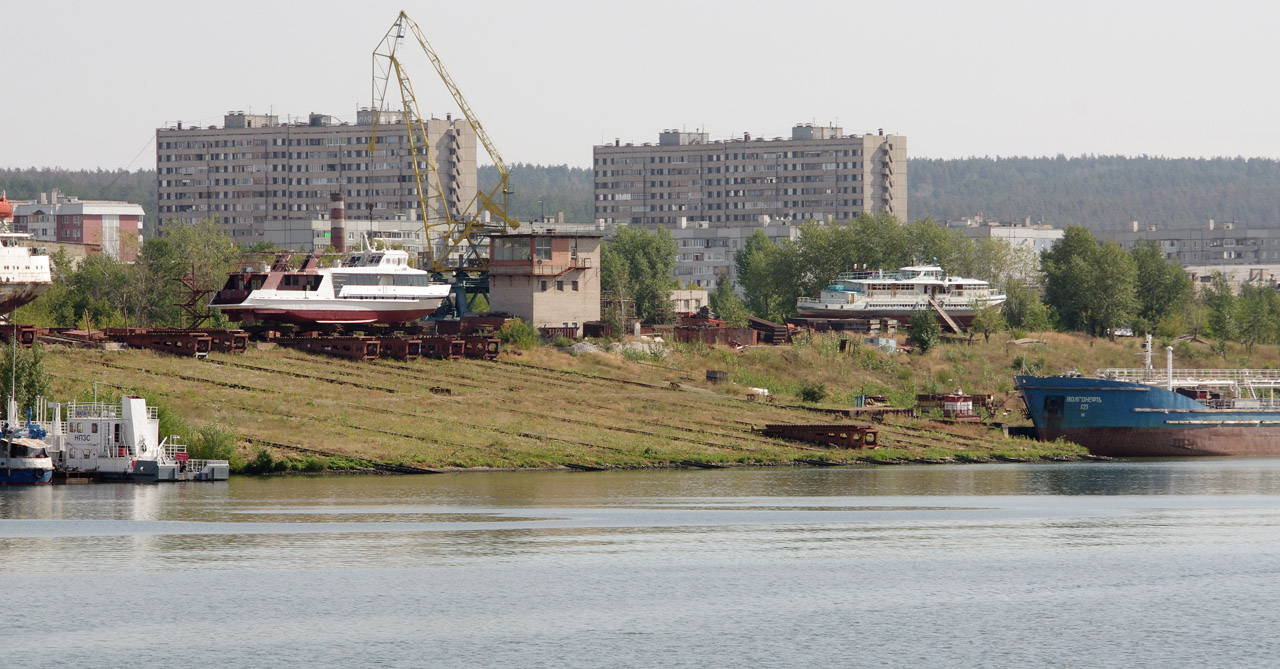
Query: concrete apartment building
x=708 y=251
x=1020 y=234
x=1215 y=243
x=549 y=279
x=818 y=174
x=104 y=227
x=255 y=169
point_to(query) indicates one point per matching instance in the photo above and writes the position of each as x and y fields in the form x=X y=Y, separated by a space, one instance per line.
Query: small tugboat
x=119 y=442
x=25 y=460
x=371 y=286
x=881 y=294
x=1146 y=413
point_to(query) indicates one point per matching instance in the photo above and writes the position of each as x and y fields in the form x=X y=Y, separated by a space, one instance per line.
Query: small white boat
x=371 y=286
x=881 y=294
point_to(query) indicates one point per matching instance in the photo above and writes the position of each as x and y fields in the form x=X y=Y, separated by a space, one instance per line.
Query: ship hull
x=25 y=476
x=14 y=295
x=1121 y=419
x=962 y=317
x=338 y=315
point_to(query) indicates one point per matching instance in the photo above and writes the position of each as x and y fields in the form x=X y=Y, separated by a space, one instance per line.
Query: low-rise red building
x=104 y=227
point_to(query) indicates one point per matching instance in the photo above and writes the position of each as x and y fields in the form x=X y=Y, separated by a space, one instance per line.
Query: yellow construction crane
x=458 y=225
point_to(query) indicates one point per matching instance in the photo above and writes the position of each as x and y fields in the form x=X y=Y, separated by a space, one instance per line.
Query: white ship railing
x=1251 y=378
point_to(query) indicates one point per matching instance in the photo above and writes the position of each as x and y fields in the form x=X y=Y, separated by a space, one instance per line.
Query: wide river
x=1153 y=564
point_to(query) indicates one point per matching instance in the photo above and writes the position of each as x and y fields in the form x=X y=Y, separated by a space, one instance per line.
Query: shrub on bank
x=518 y=334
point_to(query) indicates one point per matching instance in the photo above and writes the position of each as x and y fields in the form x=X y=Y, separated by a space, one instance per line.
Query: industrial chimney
x=338 y=222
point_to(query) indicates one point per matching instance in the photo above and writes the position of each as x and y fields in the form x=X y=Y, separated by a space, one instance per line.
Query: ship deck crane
x=457 y=226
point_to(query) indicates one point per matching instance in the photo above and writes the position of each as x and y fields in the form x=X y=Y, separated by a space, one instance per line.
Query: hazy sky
x=87 y=83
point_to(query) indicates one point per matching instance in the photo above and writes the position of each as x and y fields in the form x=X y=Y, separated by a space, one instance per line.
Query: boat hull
x=964 y=317
x=39 y=476
x=14 y=295
x=331 y=315
x=1122 y=419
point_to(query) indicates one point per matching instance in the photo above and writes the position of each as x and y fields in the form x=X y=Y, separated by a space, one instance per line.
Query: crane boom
x=456 y=227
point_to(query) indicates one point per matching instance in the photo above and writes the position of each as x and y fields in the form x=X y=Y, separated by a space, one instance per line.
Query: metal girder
x=455 y=228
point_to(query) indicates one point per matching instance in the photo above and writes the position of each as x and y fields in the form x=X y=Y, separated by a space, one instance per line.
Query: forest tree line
x=1099 y=192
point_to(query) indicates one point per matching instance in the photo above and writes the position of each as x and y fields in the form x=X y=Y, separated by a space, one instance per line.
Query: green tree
x=880 y=241
x=727 y=305
x=1163 y=289
x=1066 y=269
x=770 y=276
x=926 y=331
x=1023 y=309
x=1259 y=308
x=1111 y=292
x=1224 y=322
x=987 y=320
x=930 y=243
x=1090 y=287
x=23 y=371
x=637 y=266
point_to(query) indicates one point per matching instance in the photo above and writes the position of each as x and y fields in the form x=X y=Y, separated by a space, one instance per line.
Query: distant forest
x=138 y=187
x=536 y=189
x=1099 y=192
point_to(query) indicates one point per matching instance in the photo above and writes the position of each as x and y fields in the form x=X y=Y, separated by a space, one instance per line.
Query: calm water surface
x=1151 y=564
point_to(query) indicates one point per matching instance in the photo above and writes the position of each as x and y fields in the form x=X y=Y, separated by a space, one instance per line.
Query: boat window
x=543 y=246
x=94 y=428
x=411 y=280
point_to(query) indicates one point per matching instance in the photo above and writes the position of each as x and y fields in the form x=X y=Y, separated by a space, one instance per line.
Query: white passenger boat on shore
x=370 y=286
x=881 y=294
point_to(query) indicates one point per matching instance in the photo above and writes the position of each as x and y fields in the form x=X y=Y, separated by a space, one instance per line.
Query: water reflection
x=792 y=567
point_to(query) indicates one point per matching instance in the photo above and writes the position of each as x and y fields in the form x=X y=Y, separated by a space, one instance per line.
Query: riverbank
x=541 y=409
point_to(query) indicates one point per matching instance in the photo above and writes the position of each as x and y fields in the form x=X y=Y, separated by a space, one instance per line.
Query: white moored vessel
x=370 y=286
x=881 y=294
x=23 y=276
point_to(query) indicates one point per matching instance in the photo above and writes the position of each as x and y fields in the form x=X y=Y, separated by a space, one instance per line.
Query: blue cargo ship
x=1147 y=412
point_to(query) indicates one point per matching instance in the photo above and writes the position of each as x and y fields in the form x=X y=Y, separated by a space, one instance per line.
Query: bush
x=519 y=334
x=926 y=331
x=562 y=342
x=812 y=391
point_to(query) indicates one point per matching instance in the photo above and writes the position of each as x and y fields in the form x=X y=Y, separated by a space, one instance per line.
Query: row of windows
x=728 y=156
x=779 y=167
x=289 y=141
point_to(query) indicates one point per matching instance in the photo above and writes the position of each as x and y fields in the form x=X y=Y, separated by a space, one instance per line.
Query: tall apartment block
x=255 y=169
x=818 y=174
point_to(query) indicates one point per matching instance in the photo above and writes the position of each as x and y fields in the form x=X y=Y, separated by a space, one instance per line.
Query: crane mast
x=460 y=226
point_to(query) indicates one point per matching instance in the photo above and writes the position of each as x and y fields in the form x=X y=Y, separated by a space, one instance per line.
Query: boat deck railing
x=1253 y=378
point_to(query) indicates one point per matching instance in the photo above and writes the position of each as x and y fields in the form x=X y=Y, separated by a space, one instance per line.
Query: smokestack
x=338 y=222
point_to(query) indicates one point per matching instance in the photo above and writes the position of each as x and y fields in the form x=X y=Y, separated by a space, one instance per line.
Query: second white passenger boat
x=881 y=294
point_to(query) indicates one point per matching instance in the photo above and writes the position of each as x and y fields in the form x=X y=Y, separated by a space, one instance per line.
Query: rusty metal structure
x=838 y=435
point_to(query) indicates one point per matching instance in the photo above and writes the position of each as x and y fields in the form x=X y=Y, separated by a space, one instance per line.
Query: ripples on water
x=1097 y=564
